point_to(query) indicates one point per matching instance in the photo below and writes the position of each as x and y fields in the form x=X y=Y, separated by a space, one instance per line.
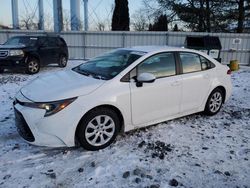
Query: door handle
x=176 y=83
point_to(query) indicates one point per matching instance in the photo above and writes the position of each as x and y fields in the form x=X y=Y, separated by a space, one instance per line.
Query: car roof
x=156 y=48
x=37 y=35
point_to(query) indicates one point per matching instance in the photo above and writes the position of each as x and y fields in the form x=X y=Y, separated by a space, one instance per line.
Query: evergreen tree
x=238 y=13
x=120 y=19
x=210 y=15
x=176 y=28
x=160 y=24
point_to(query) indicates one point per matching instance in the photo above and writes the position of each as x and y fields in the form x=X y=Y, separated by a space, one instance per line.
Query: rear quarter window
x=206 y=64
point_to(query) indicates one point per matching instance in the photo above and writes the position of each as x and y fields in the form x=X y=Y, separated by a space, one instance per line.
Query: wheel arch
x=64 y=54
x=33 y=55
x=223 y=89
x=112 y=107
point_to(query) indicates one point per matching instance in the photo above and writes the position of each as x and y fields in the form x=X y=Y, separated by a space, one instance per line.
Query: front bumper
x=57 y=130
x=12 y=62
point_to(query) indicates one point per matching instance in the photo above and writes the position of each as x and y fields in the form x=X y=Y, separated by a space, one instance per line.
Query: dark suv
x=30 y=52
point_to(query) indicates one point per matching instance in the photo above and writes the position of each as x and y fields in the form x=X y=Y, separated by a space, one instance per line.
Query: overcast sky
x=99 y=10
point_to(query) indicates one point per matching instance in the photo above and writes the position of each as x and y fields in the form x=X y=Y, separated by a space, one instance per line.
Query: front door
x=160 y=99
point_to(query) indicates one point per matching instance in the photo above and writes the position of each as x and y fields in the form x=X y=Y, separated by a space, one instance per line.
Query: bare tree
x=29 y=22
x=48 y=22
x=139 y=21
x=100 y=26
x=66 y=20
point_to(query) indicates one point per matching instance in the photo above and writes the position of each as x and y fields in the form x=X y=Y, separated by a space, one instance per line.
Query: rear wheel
x=98 y=129
x=63 y=61
x=33 y=65
x=214 y=102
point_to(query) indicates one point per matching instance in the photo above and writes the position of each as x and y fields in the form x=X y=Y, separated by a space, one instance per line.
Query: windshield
x=27 y=41
x=109 y=65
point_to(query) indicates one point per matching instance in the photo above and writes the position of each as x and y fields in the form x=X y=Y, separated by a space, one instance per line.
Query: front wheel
x=98 y=129
x=214 y=102
x=33 y=66
x=63 y=61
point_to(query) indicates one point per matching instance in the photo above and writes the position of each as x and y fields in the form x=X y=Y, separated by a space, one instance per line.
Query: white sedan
x=119 y=91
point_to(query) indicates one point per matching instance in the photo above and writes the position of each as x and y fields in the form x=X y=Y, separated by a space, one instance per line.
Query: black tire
x=213 y=107
x=33 y=65
x=63 y=61
x=97 y=132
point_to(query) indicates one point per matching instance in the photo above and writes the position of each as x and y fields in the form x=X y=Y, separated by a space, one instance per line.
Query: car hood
x=60 y=85
x=12 y=46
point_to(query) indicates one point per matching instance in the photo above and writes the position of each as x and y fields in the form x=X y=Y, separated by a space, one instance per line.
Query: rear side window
x=52 y=41
x=190 y=62
x=161 y=65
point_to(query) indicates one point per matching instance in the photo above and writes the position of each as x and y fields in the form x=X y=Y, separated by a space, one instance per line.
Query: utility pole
x=75 y=15
x=41 y=15
x=86 y=18
x=58 y=16
x=15 y=21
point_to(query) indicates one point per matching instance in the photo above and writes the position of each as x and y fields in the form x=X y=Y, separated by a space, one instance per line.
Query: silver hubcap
x=100 y=130
x=215 y=102
x=33 y=66
x=63 y=61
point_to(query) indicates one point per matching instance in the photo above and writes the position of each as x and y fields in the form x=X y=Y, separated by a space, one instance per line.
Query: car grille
x=3 y=53
x=22 y=127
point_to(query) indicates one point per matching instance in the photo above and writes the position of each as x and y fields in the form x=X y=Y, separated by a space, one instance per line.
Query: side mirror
x=145 y=78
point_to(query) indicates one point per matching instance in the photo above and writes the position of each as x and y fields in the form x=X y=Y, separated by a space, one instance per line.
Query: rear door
x=54 y=49
x=195 y=81
x=160 y=99
x=44 y=51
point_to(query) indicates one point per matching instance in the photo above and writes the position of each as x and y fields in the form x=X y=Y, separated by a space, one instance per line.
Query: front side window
x=190 y=62
x=43 y=42
x=161 y=65
x=109 y=65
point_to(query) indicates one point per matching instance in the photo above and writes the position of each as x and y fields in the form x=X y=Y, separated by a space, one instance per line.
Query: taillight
x=229 y=71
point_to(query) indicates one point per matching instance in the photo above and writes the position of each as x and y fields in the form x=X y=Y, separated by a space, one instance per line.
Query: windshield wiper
x=87 y=73
x=77 y=69
x=98 y=76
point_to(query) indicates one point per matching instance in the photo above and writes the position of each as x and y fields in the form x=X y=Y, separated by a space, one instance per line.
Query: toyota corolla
x=119 y=91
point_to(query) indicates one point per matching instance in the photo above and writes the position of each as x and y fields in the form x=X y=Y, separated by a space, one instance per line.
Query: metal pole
x=15 y=21
x=58 y=16
x=75 y=15
x=41 y=15
x=86 y=19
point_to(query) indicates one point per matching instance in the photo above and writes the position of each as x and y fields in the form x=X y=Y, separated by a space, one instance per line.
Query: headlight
x=16 y=53
x=51 y=107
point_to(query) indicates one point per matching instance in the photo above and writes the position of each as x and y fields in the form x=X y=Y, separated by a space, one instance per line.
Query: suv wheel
x=62 y=61
x=98 y=129
x=214 y=102
x=33 y=65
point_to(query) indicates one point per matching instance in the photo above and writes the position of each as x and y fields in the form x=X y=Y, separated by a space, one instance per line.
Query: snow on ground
x=193 y=151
